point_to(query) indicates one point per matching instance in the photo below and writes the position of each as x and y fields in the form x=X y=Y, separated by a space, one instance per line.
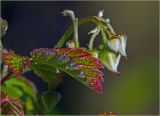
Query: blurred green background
x=135 y=91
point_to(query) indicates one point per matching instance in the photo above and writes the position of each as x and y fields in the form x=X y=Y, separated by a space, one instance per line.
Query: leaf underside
x=75 y=62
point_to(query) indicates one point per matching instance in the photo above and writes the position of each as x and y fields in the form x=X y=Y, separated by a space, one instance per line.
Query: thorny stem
x=2 y=81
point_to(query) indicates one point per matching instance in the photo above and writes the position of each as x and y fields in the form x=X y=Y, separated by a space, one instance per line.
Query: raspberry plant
x=83 y=64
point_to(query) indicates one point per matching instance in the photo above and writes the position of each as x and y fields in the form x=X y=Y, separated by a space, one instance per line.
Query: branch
x=2 y=81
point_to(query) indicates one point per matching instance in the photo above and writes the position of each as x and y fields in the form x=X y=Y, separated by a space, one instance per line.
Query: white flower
x=100 y=13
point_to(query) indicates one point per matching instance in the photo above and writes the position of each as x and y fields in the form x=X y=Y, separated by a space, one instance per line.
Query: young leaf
x=11 y=106
x=49 y=100
x=21 y=88
x=75 y=62
x=48 y=74
x=15 y=62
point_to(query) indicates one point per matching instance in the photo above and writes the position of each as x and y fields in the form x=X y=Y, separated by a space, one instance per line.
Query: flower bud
x=70 y=44
x=114 y=43
x=122 y=49
x=100 y=13
x=110 y=60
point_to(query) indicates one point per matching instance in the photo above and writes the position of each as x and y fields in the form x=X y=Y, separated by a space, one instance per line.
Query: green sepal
x=122 y=49
x=94 y=53
x=110 y=60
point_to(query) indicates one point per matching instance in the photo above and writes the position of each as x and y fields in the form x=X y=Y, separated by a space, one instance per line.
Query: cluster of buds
x=116 y=48
x=113 y=46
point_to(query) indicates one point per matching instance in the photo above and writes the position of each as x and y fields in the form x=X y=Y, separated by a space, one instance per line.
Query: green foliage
x=49 y=74
x=11 y=106
x=20 y=87
x=48 y=101
x=82 y=64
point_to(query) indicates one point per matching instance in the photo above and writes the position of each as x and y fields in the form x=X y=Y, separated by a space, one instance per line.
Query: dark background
x=40 y=24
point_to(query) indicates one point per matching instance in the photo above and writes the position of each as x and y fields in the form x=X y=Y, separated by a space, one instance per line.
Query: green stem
x=69 y=31
x=104 y=38
x=50 y=88
x=90 y=46
x=76 y=32
x=110 y=29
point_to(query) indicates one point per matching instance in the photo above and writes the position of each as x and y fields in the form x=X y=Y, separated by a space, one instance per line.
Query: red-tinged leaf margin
x=11 y=106
x=15 y=62
x=87 y=64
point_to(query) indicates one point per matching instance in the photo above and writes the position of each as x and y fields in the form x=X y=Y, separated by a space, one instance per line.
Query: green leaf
x=49 y=100
x=4 y=26
x=94 y=53
x=20 y=84
x=75 y=62
x=48 y=74
x=20 y=87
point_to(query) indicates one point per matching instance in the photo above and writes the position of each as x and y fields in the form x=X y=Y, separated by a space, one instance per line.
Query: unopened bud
x=110 y=60
x=70 y=44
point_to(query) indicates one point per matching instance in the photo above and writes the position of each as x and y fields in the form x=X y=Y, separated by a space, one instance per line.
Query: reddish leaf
x=11 y=106
x=15 y=62
x=76 y=62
